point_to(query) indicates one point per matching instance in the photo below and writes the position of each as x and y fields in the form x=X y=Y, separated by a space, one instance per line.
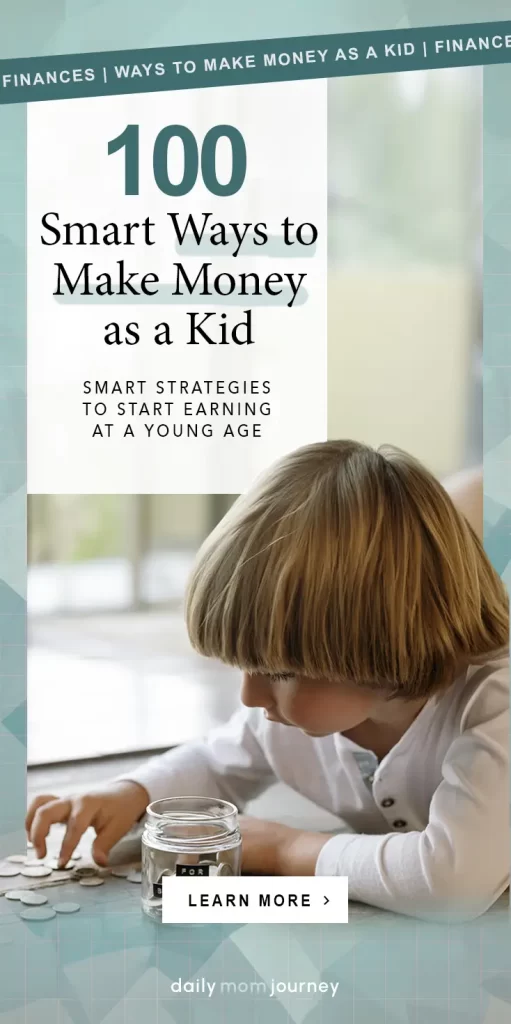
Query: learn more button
x=253 y=900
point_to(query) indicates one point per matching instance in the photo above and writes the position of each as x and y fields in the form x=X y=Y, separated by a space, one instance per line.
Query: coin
x=90 y=882
x=134 y=876
x=85 y=872
x=66 y=908
x=9 y=870
x=36 y=871
x=33 y=899
x=224 y=870
x=15 y=894
x=34 y=861
x=38 y=914
x=17 y=858
x=120 y=872
x=53 y=863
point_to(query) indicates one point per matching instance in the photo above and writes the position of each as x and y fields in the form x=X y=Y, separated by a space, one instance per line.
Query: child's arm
x=228 y=764
x=458 y=865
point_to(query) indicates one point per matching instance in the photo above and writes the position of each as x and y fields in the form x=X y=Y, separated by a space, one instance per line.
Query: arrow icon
x=326 y=900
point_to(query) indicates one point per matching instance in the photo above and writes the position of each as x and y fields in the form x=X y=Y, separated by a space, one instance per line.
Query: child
x=372 y=634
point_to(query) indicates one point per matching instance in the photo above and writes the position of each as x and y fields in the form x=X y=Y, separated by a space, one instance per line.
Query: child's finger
x=34 y=806
x=107 y=838
x=79 y=821
x=44 y=818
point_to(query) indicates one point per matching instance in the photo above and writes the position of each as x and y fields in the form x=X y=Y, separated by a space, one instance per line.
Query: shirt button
x=398 y=823
x=387 y=802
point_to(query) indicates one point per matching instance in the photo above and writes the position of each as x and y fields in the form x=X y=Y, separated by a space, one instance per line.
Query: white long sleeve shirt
x=430 y=821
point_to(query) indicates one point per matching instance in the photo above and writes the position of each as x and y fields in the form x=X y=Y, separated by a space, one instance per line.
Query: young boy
x=372 y=633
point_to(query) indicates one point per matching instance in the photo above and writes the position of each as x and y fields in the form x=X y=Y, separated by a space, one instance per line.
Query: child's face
x=318 y=707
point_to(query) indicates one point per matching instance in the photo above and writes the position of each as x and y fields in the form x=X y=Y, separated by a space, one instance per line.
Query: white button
x=254 y=900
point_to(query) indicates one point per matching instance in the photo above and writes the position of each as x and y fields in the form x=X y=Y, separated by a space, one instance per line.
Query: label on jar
x=195 y=871
x=199 y=870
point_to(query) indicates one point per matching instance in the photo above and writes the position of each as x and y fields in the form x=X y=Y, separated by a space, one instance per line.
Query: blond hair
x=352 y=564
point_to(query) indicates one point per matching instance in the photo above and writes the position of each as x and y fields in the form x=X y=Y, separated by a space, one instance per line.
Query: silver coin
x=34 y=861
x=15 y=894
x=53 y=863
x=120 y=872
x=17 y=858
x=224 y=870
x=134 y=876
x=9 y=870
x=33 y=899
x=66 y=908
x=85 y=872
x=36 y=871
x=38 y=914
x=91 y=882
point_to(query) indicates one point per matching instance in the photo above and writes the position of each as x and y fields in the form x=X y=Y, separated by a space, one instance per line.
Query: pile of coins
x=34 y=902
x=29 y=866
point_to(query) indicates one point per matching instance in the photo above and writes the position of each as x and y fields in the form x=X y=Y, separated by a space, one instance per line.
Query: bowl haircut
x=347 y=563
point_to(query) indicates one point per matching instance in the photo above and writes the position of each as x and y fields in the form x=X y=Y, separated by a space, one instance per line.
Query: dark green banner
x=268 y=60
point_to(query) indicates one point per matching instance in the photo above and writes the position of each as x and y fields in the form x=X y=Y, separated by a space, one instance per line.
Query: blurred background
x=110 y=669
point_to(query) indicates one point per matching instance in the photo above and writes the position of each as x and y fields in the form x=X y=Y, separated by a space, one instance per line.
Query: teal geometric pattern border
x=112 y=965
x=13 y=727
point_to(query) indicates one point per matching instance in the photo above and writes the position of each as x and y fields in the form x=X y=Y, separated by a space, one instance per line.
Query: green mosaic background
x=109 y=964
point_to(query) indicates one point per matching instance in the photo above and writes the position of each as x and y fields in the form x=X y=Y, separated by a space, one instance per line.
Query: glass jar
x=190 y=835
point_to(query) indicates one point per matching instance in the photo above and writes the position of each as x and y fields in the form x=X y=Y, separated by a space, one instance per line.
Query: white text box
x=255 y=900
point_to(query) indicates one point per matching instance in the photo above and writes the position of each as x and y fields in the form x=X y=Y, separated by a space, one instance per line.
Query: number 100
x=129 y=141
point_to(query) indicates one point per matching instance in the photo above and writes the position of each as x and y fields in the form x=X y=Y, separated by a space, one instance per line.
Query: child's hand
x=263 y=844
x=273 y=849
x=111 y=810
